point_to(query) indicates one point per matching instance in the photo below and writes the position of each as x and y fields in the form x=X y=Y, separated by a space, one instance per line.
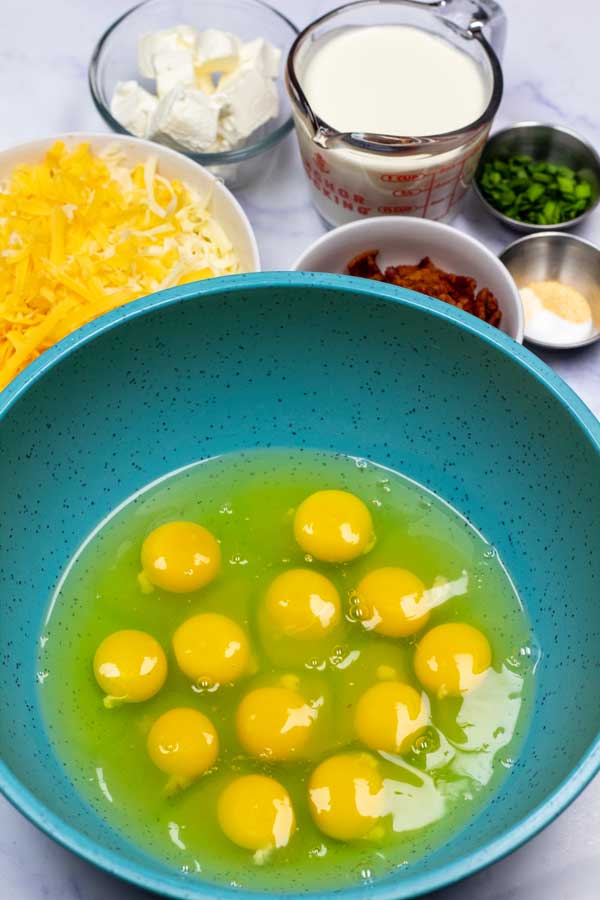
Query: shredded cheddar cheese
x=81 y=234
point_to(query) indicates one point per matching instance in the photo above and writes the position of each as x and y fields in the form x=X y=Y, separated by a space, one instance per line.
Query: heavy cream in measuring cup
x=394 y=80
x=391 y=80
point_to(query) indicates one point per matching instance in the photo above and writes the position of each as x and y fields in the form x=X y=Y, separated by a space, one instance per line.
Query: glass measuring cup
x=356 y=174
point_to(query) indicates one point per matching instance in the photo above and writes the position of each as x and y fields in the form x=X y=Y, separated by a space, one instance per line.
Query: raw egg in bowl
x=438 y=418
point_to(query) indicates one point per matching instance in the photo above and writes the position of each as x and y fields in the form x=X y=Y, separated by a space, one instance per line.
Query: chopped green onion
x=538 y=192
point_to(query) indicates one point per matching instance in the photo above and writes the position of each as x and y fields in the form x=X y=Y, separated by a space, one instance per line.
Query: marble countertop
x=549 y=73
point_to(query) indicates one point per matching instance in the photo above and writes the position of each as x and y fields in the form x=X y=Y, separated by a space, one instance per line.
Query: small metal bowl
x=548 y=143
x=560 y=257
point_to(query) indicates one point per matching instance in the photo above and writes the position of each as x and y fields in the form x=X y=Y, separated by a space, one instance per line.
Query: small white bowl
x=223 y=205
x=402 y=240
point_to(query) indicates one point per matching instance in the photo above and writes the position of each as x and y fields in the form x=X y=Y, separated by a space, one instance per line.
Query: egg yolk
x=183 y=743
x=130 y=666
x=390 y=715
x=303 y=604
x=390 y=601
x=334 y=526
x=274 y=722
x=346 y=795
x=452 y=658
x=211 y=649
x=256 y=813
x=180 y=557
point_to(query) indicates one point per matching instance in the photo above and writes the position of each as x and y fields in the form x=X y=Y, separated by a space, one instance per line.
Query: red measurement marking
x=395 y=177
x=448 y=168
x=408 y=192
x=457 y=182
x=395 y=210
x=413 y=187
x=428 y=198
x=321 y=164
x=441 y=184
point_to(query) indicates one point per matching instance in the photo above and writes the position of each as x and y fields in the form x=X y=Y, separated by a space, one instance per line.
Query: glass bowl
x=115 y=59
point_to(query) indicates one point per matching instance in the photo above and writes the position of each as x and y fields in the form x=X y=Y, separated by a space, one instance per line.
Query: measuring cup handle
x=483 y=17
x=491 y=18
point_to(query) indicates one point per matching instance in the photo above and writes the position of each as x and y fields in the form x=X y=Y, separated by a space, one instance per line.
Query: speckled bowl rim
x=374 y=223
x=390 y=888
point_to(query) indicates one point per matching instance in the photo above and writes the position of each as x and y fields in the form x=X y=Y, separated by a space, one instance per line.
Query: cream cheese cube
x=133 y=107
x=217 y=51
x=213 y=89
x=248 y=100
x=170 y=40
x=260 y=54
x=204 y=82
x=174 y=69
x=186 y=117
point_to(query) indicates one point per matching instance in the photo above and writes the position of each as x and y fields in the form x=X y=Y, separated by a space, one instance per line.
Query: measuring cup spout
x=322 y=136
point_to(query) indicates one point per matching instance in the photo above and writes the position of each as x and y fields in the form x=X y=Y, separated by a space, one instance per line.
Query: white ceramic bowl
x=402 y=240
x=223 y=205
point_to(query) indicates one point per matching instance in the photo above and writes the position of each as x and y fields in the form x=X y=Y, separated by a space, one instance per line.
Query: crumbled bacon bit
x=425 y=277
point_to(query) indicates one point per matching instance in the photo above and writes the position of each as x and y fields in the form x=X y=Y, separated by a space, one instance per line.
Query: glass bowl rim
x=206 y=159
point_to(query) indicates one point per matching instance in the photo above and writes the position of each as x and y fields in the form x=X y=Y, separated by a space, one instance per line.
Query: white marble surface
x=552 y=73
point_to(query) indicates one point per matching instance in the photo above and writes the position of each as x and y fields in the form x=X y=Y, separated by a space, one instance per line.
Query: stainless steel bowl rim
x=557 y=237
x=530 y=227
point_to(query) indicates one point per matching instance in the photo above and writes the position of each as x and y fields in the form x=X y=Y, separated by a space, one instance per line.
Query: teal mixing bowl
x=320 y=361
